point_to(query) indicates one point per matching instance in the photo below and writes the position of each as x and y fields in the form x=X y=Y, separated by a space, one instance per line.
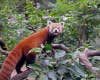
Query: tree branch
x=4 y=52
x=22 y=75
x=3 y=47
x=83 y=57
x=30 y=27
x=60 y=46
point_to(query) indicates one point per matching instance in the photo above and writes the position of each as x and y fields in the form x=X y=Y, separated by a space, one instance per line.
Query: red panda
x=19 y=53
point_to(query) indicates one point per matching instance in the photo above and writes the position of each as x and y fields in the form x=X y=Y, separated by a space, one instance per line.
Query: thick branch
x=92 y=52
x=60 y=46
x=22 y=75
x=84 y=59
x=83 y=56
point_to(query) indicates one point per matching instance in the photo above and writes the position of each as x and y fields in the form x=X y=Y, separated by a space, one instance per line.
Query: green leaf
x=75 y=54
x=47 y=62
x=59 y=54
x=77 y=70
x=91 y=77
x=52 y=75
x=61 y=69
x=43 y=77
x=96 y=58
x=35 y=50
x=48 y=47
x=37 y=67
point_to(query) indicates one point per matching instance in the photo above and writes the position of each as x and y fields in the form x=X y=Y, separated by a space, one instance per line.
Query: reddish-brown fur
x=35 y=40
x=22 y=48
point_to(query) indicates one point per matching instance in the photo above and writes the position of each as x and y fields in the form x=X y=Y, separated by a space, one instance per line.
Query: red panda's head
x=55 y=28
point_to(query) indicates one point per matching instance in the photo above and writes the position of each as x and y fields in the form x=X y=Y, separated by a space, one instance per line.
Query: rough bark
x=22 y=75
x=83 y=57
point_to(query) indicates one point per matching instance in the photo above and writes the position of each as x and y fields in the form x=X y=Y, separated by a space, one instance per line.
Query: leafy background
x=82 y=29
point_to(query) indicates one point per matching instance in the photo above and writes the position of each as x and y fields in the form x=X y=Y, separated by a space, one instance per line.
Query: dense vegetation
x=82 y=26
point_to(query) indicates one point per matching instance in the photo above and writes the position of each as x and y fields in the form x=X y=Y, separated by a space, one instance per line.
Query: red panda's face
x=55 y=28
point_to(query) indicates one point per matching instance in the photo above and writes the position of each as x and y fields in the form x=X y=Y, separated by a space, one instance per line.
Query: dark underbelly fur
x=30 y=59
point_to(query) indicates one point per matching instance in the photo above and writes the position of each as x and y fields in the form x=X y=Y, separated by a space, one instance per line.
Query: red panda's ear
x=49 y=25
x=49 y=22
x=62 y=24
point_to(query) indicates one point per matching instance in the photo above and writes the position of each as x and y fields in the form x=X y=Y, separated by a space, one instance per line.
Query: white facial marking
x=57 y=30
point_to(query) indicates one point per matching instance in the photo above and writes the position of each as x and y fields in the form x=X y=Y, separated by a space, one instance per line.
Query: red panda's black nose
x=56 y=31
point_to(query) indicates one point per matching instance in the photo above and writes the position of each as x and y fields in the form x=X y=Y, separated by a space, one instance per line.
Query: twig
x=4 y=52
x=30 y=27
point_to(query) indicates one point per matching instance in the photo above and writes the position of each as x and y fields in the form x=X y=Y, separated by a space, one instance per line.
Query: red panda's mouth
x=56 y=33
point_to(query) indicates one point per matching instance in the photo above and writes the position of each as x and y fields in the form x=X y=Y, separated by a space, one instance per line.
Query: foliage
x=60 y=66
x=82 y=26
x=81 y=18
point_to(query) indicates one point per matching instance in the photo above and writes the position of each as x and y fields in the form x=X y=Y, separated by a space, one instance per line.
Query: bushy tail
x=9 y=64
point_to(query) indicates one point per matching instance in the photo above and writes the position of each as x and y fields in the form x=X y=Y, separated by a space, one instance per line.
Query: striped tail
x=9 y=64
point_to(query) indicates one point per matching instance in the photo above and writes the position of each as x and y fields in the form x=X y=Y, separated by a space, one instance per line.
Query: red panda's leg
x=30 y=59
x=20 y=64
